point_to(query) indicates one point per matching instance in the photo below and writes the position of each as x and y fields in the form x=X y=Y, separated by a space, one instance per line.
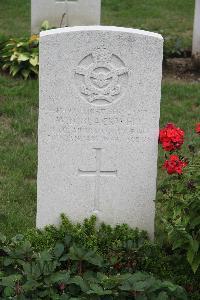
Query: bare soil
x=181 y=69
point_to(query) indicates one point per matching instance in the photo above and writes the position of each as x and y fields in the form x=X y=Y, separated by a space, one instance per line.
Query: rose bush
x=179 y=194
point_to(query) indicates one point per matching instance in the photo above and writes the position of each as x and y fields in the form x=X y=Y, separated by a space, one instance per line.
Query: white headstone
x=196 y=33
x=99 y=124
x=61 y=13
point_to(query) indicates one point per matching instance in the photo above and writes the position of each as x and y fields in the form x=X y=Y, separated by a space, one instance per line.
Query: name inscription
x=102 y=125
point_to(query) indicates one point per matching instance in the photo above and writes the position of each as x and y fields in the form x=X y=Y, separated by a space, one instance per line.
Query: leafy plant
x=104 y=238
x=20 y=57
x=70 y=271
x=173 y=47
x=45 y=26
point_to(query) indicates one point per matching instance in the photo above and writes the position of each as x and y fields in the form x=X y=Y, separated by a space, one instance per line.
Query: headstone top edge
x=100 y=28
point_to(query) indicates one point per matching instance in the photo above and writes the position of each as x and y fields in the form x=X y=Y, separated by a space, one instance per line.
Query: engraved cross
x=97 y=174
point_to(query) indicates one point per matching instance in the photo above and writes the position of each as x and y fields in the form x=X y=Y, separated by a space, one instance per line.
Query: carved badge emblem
x=101 y=77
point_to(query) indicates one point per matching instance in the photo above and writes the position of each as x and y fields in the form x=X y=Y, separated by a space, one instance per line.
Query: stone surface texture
x=99 y=112
x=64 y=13
x=196 y=32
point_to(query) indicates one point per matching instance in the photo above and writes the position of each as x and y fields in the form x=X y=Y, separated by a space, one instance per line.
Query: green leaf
x=59 y=249
x=96 y=289
x=177 y=244
x=195 y=245
x=78 y=280
x=76 y=253
x=6 y=66
x=60 y=277
x=25 y=73
x=13 y=57
x=190 y=255
x=2 y=238
x=8 y=291
x=7 y=261
x=34 y=61
x=10 y=280
x=65 y=297
x=18 y=238
x=67 y=240
x=196 y=262
x=45 y=25
x=23 y=57
x=95 y=260
x=31 y=285
x=14 y=69
x=195 y=222
x=20 y=44
x=141 y=286
x=141 y=297
x=162 y=296
x=35 y=70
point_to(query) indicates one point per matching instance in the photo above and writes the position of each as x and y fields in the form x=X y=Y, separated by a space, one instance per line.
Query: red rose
x=171 y=137
x=174 y=165
x=197 y=129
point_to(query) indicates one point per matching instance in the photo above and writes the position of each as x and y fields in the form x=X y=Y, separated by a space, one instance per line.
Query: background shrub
x=20 y=57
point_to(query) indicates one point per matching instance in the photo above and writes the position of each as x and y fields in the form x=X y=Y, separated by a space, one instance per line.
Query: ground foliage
x=69 y=270
x=127 y=250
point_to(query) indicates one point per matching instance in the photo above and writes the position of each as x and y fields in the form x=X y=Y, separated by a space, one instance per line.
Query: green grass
x=19 y=99
x=171 y=17
x=181 y=104
x=18 y=148
x=18 y=143
x=15 y=17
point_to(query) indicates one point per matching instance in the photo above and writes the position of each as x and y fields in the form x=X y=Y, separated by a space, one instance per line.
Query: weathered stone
x=64 y=13
x=99 y=124
x=196 y=36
